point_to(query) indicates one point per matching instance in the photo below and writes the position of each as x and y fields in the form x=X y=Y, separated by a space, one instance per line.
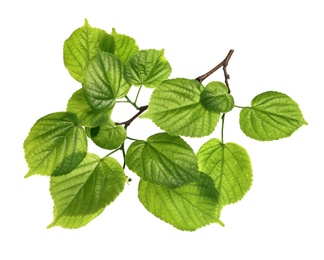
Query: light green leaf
x=86 y=115
x=82 y=45
x=73 y=222
x=187 y=208
x=125 y=46
x=216 y=97
x=148 y=68
x=272 y=116
x=104 y=81
x=176 y=108
x=55 y=145
x=163 y=159
x=229 y=166
x=107 y=136
x=82 y=194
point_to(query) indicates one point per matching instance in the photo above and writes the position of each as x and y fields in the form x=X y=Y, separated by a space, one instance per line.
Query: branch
x=223 y=64
x=129 y=121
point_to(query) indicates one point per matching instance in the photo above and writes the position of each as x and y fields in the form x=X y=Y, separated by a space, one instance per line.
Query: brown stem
x=129 y=121
x=223 y=64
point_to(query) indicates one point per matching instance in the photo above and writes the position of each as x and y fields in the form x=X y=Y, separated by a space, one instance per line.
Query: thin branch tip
x=223 y=65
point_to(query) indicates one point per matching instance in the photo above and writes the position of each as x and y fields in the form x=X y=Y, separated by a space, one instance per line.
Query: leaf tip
x=51 y=225
x=220 y=222
x=28 y=174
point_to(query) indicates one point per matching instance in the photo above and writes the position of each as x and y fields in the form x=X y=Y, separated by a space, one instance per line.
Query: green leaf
x=73 y=222
x=272 y=116
x=229 y=166
x=216 y=97
x=55 y=145
x=148 y=68
x=107 y=136
x=104 y=81
x=82 y=194
x=176 y=108
x=86 y=115
x=187 y=208
x=125 y=46
x=82 y=45
x=163 y=159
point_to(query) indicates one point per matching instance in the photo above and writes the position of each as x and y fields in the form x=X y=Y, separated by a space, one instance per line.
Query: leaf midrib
x=57 y=218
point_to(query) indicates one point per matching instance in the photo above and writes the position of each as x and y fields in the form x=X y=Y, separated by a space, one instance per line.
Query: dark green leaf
x=107 y=136
x=215 y=97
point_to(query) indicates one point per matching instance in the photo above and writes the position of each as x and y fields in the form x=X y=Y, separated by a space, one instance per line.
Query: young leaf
x=176 y=108
x=86 y=115
x=55 y=145
x=229 y=166
x=82 y=45
x=272 y=116
x=163 y=159
x=187 y=208
x=104 y=81
x=107 y=136
x=148 y=68
x=125 y=46
x=216 y=97
x=86 y=191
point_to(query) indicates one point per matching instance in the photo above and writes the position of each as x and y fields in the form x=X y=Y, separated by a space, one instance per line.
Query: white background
x=278 y=46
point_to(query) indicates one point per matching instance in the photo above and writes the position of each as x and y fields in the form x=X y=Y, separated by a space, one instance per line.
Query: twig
x=129 y=121
x=223 y=64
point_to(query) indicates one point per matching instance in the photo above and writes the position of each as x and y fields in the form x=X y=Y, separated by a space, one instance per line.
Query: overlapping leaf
x=272 y=115
x=125 y=46
x=187 y=208
x=86 y=115
x=107 y=136
x=82 y=194
x=104 y=81
x=176 y=108
x=216 y=97
x=55 y=145
x=82 y=45
x=148 y=68
x=163 y=159
x=229 y=166
x=180 y=188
